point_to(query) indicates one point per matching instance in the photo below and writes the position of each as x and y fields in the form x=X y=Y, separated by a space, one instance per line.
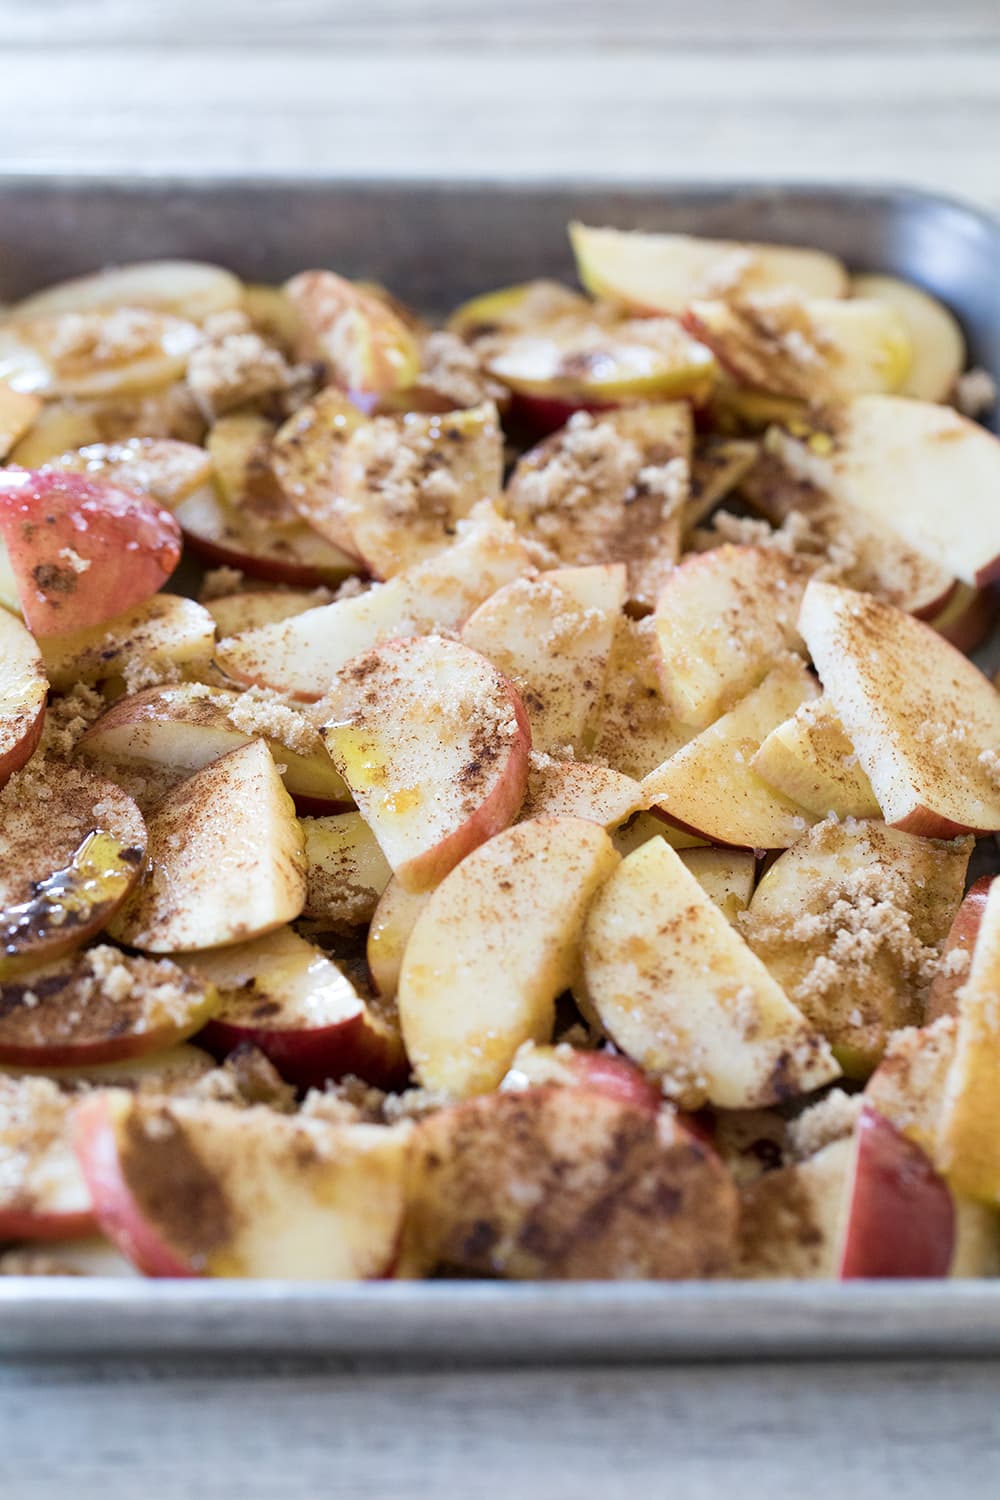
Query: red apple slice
x=723 y=619
x=708 y=786
x=636 y=732
x=82 y=551
x=578 y=789
x=185 y=1188
x=285 y=996
x=678 y=990
x=936 y=340
x=392 y=922
x=186 y=288
x=227 y=859
x=162 y=468
x=42 y=1193
x=552 y=637
x=924 y=721
x=571 y=1184
x=900 y=1214
x=645 y=826
x=158 y=641
x=604 y=1072
x=494 y=946
x=810 y=759
x=187 y=725
x=301 y=656
x=71 y=849
x=363 y=343
x=908 y=1086
x=942 y=999
x=516 y=309
x=968 y=1147
x=433 y=743
x=175 y=1070
x=346 y=871
x=96 y=353
x=234 y=613
x=23 y=691
x=99 y=1006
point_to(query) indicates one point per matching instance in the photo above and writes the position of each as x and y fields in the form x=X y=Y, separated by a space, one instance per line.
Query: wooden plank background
x=873 y=90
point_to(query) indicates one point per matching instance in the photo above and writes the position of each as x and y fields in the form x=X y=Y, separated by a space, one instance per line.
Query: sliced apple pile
x=43 y=1195
x=433 y=742
x=495 y=945
x=227 y=859
x=165 y=638
x=346 y=871
x=276 y=1197
x=23 y=691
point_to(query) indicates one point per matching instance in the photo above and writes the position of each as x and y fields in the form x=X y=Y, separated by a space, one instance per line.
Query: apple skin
x=900 y=1214
x=23 y=692
x=125 y=544
x=605 y=1073
x=115 y=1209
x=966 y=619
x=309 y=1057
x=540 y=416
x=109 y=1048
x=943 y=997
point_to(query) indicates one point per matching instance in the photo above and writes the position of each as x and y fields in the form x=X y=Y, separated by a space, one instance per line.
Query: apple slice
x=162 y=468
x=18 y=411
x=23 y=691
x=156 y=641
x=635 y=730
x=361 y=340
x=100 y=353
x=924 y=721
x=569 y=1067
x=645 y=826
x=99 y=1006
x=664 y=272
x=850 y=923
x=285 y=996
x=392 y=922
x=292 y=553
x=722 y=620
x=184 y=726
x=253 y=607
x=967 y=618
x=42 y=1193
x=609 y=489
x=570 y=1184
x=82 y=551
x=494 y=946
x=893 y=458
x=186 y=1188
x=968 y=1146
x=727 y=876
x=718 y=465
x=936 y=341
x=679 y=991
x=175 y=1070
x=790 y=1219
x=346 y=870
x=184 y=288
x=551 y=636
x=71 y=849
x=72 y=423
x=708 y=786
x=579 y=789
x=307 y=456
x=900 y=1217
x=908 y=1086
x=810 y=759
x=810 y=349
x=302 y=656
x=227 y=859
x=942 y=998
x=863 y=550
x=517 y=309
x=433 y=742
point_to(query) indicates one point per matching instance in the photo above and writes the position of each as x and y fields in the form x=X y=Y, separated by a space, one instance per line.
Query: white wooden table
x=873 y=90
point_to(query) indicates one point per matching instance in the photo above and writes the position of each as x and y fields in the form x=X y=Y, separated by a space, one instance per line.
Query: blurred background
x=873 y=90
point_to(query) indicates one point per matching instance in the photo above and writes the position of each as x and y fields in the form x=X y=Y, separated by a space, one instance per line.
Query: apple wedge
x=186 y=1188
x=517 y=309
x=99 y=1006
x=579 y=789
x=23 y=692
x=18 y=411
x=942 y=998
x=433 y=742
x=908 y=1086
x=602 y=1071
x=645 y=826
x=708 y=787
x=722 y=620
x=157 y=641
x=810 y=759
x=924 y=722
x=635 y=730
x=97 y=353
x=185 y=725
x=301 y=656
x=285 y=996
x=727 y=876
x=967 y=618
x=346 y=871
x=850 y=923
x=250 y=608
x=227 y=859
x=307 y=458
x=809 y=349
x=551 y=636
x=82 y=551
x=43 y=1195
x=175 y=1070
x=290 y=553
x=162 y=468
x=183 y=288
x=71 y=849
x=892 y=458
x=364 y=345
x=610 y=488
x=554 y=1183
x=900 y=1216
x=717 y=466
x=968 y=1146
x=937 y=344
x=495 y=945
x=790 y=1219
x=392 y=922
x=679 y=991
x=664 y=272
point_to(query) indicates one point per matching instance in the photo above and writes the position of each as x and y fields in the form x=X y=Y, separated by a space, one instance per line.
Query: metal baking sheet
x=436 y=244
